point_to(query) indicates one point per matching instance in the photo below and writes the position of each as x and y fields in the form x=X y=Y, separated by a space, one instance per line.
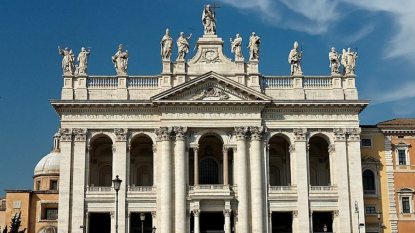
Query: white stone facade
x=184 y=115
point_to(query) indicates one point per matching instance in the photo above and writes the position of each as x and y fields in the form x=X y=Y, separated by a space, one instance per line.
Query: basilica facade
x=209 y=145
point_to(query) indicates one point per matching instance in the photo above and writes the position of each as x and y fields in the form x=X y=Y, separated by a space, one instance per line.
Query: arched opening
x=279 y=161
x=319 y=162
x=210 y=160
x=100 y=164
x=141 y=161
x=369 y=186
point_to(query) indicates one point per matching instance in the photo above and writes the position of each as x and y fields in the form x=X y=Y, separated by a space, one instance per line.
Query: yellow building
x=38 y=207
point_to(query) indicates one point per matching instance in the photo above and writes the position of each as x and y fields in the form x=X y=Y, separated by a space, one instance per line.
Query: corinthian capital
x=163 y=133
x=256 y=132
x=80 y=134
x=241 y=132
x=339 y=134
x=354 y=134
x=300 y=134
x=66 y=134
x=121 y=134
x=180 y=132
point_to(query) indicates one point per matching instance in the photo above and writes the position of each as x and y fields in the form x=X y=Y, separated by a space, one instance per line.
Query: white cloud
x=318 y=16
x=397 y=93
x=360 y=34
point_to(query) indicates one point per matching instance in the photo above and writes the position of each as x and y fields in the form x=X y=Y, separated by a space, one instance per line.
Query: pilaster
x=120 y=169
x=302 y=175
x=79 y=178
x=64 y=212
x=390 y=185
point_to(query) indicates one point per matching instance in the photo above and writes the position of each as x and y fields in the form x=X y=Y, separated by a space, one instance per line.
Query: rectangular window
x=50 y=214
x=402 y=157
x=53 y=185
x=406 y=207
x=370 y=209
x=366 y=142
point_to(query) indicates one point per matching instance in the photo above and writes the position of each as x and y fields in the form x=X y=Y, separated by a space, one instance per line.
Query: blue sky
x=383 y=31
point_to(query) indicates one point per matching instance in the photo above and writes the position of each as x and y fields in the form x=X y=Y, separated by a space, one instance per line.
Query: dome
x=48 y=164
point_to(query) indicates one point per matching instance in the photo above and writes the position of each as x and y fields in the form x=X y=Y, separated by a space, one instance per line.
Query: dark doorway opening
x=282 y=222
x=135 y=223
x=99 y=223
x=212 y=222
x=322 y=220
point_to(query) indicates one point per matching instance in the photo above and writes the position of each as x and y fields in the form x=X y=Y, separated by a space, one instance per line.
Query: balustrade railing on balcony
x=98 y=189
x=277 y=82
x=323 y=188
x=210 y=187
x=143 y=82
x=282 y=188
x=317 y=82
x=141 y=188
x=102 y=82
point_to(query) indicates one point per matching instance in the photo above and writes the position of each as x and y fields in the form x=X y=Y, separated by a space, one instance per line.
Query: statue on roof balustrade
x=208 y=20
x=236 y=47
x=294 y=58
x=68 y=66
x=120 y=60
x=183 y=45
x=334 y=58
x=351 y=58
x=254 y=42
x=83 y=61
x=166 y=45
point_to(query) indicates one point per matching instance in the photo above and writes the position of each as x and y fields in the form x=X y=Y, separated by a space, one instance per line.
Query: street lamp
x=117 y=184
x=325 y=228
x=142 y=218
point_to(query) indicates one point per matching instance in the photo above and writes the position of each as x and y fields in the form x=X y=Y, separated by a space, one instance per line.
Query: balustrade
x=98 y=189
x=102 y=82
x=141 y=188
x=277 y=82
x=140 y=82
x=317 y=82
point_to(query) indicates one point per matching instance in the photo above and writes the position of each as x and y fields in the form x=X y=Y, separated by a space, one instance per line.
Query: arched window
x=369 y=182
x=208 y=171
x=105 y=176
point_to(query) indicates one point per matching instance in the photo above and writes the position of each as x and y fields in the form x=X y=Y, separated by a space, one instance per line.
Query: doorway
x=99 y=223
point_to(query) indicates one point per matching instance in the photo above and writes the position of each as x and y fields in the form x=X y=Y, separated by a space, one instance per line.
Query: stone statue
x=68 y=59
x=253 y=46
x=350 y=61
x=334 y=58
x=83 y=61
x=120 y=60
x=208 y=20
x=166 y=45
x=236 y=47
x=294 y=58
x=183 y=45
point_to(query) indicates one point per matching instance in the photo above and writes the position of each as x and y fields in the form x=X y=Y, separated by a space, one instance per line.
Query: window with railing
x=402 y=157
x=406 y=207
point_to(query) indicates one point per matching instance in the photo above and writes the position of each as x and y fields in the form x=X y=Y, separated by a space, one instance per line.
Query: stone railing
x=282 y=188
x=323 y=188
x=277 y=82
x=141 y=188
x=98 y=189
x=317 y=82
x=140 y=82
x=209 y=187
x=96 y=82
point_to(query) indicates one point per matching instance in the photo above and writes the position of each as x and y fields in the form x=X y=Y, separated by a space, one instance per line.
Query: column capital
x=256 y=133
x=339 y=134
x=300 y=134
x=332 y=148
x=180 y=132
x=291 y=148
x=241 y=132
x=66 y=134
x=153 y=214
x=227 y=212
x=80 y=134
x=120 y=134
x=196 y=212
x=354 y=134
x=295 y=213
x=163 y=133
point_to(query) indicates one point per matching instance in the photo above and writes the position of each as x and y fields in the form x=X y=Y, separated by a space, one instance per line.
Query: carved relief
x=180 y=132
x=211 y=93
x=80 y=134
x=121 y=134
x=163 y=133
x=210 y=55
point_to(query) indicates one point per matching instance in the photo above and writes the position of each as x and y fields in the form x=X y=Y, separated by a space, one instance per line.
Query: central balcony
x=210 y=191
x=282 y=192
x=323 y=192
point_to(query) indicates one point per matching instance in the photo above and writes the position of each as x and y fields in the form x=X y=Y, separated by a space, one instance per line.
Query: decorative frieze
x=256 y=132
x=66 y=134
x=180 y=132
x=163 y=133
x=80 y=135
x=120 y=134
x=300 y=134
x=241 y=132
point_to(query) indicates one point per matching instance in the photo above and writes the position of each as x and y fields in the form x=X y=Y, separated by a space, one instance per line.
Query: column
x=300 y=155
x=242 y=181
x=355 y=173
x=180 y=179
x=270 y=221
x=120 y=169
x=196 y=214
x=295 y=221
x=166 y=194
x=227 y=214
x=79 y=177
x=225 y=166
x=196 y=166
x=153 y=218
x=65 y=180
x=342 y=172
x=257 y=191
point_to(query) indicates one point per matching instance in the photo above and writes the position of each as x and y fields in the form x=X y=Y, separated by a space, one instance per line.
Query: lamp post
x=117 y=184
x=356 y=210
x=379 y=215
x=142 y=218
